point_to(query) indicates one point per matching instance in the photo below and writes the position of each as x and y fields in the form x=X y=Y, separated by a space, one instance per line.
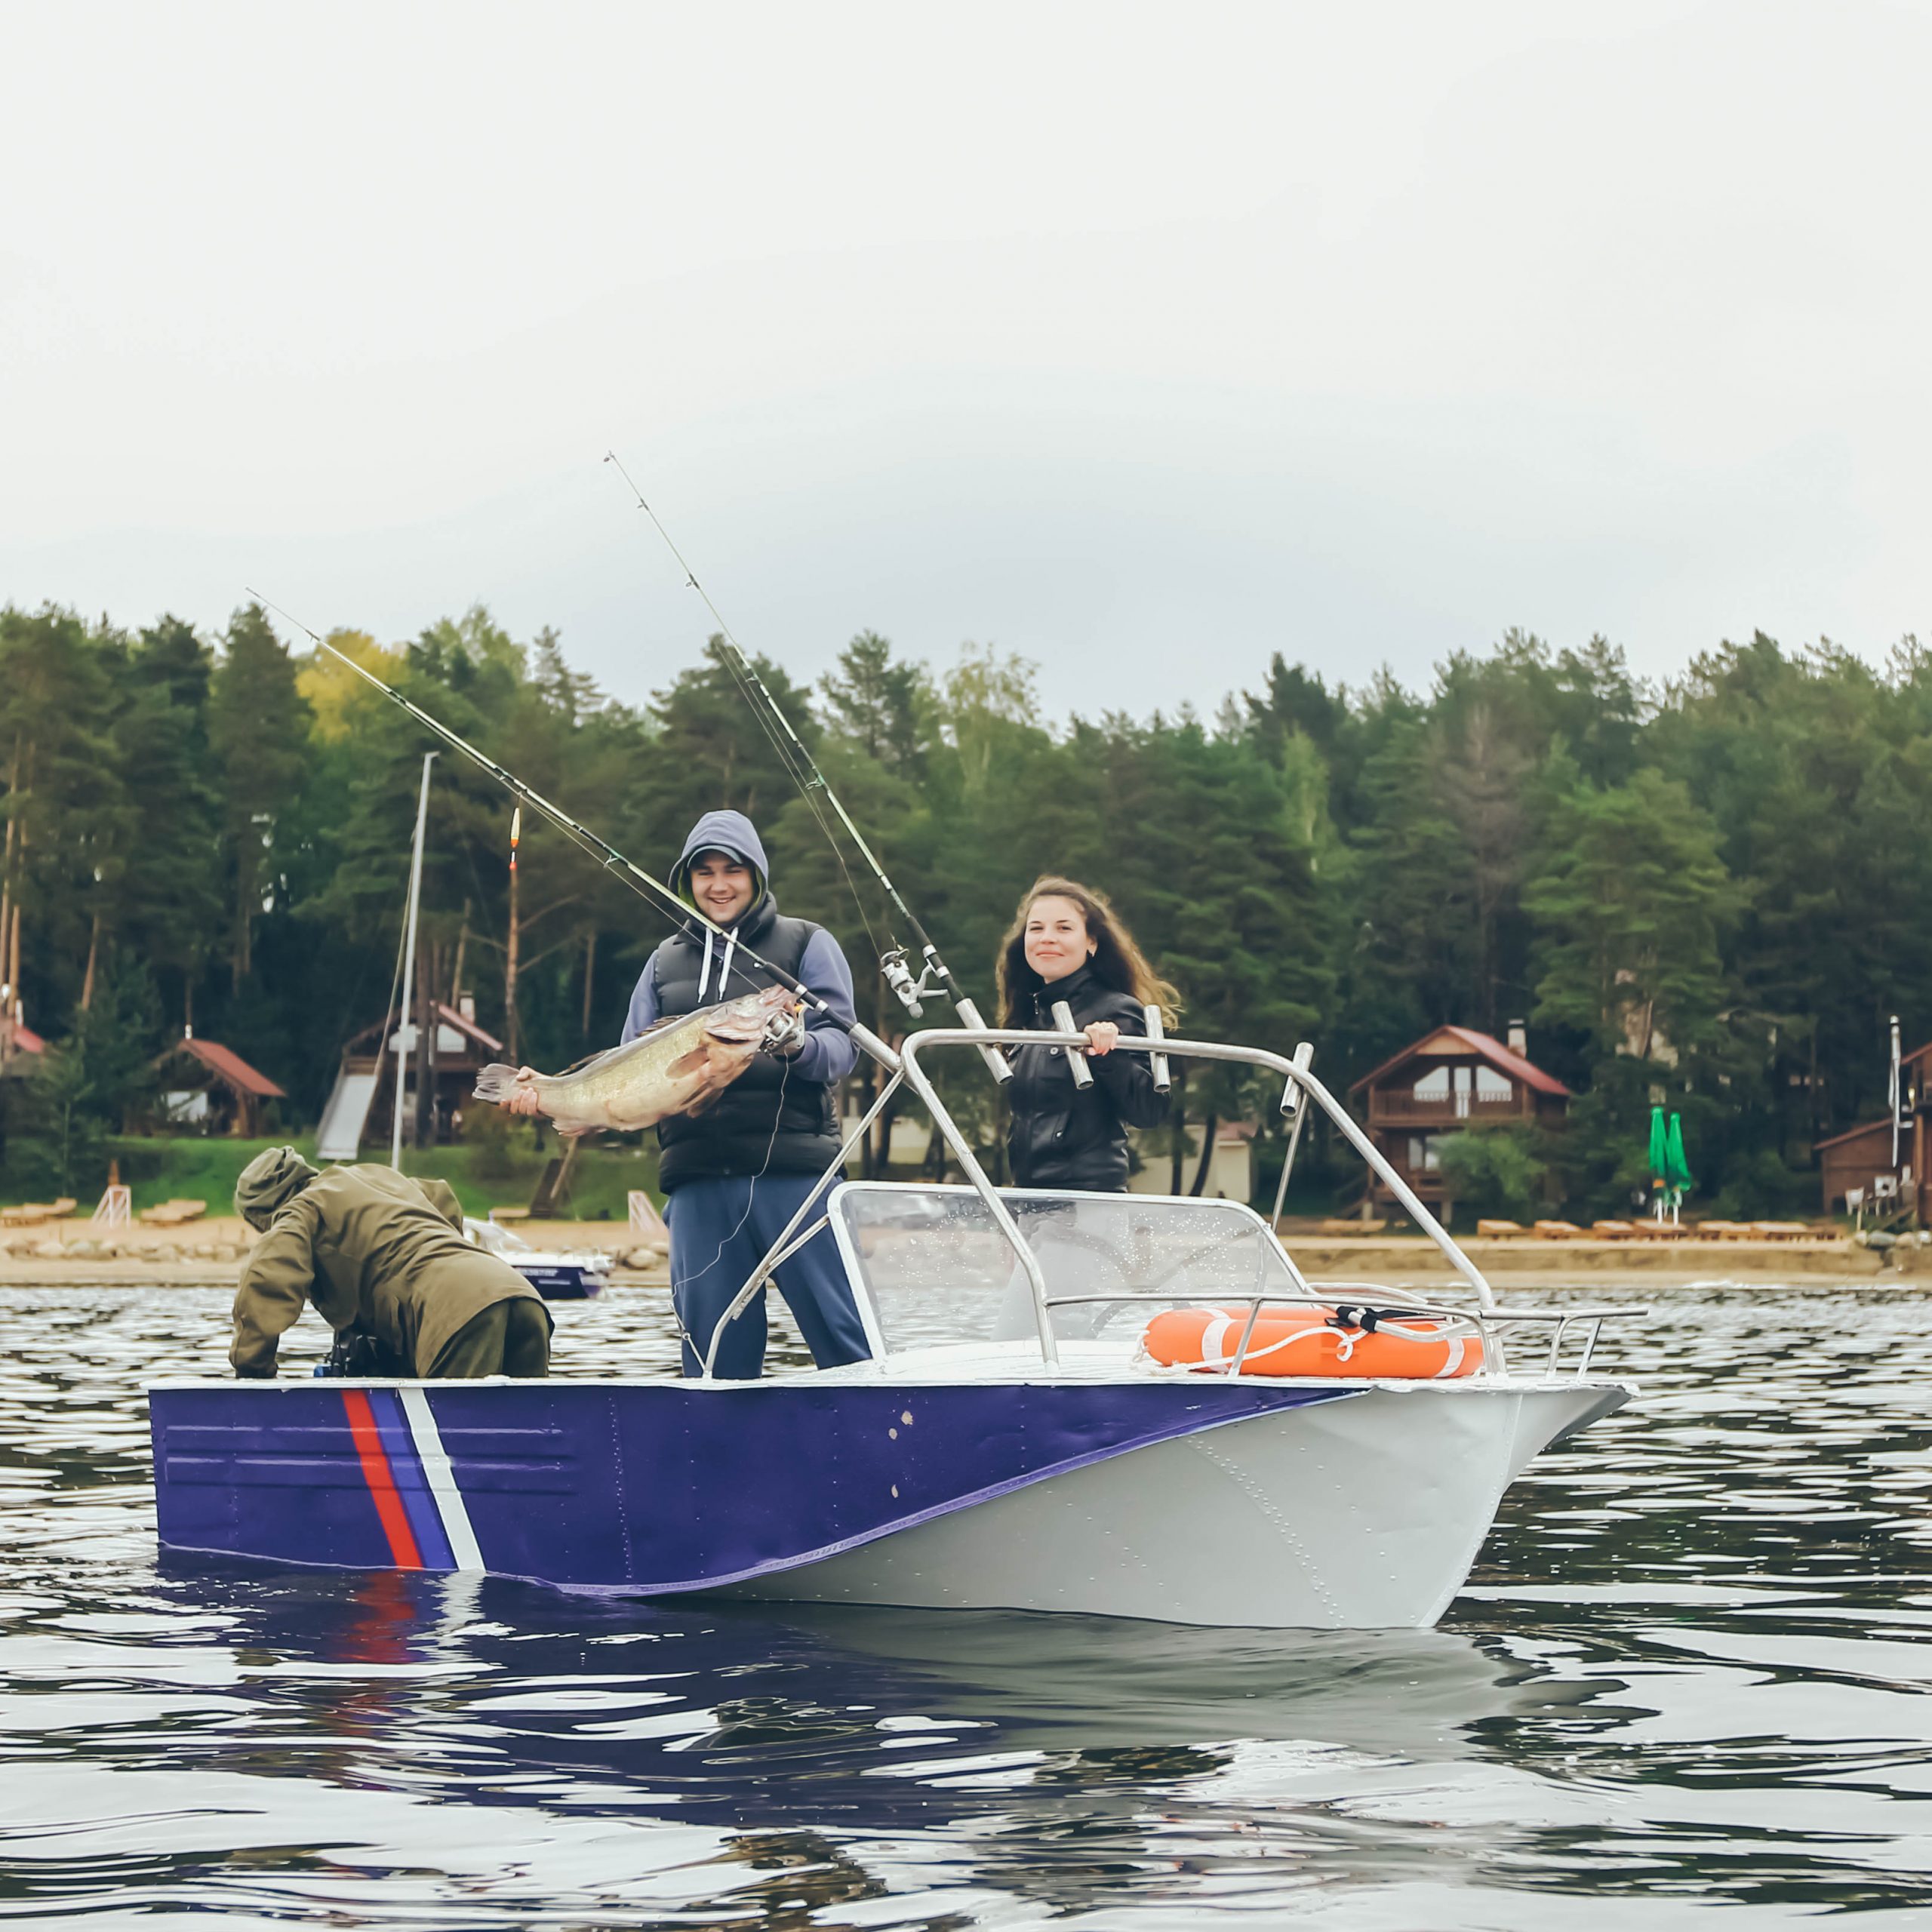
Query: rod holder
x=998 y=1065
x=1157 y=1064
x=1291 y=1094
x=1083 y=1074
x=1291 y=1106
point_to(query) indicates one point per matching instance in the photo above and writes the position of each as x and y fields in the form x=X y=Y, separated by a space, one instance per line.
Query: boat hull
x=561 y=1281
x=1367 y=1514
x=1187 y=1499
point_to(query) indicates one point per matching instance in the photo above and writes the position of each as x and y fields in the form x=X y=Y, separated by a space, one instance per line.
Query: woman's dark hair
x=1117 y=962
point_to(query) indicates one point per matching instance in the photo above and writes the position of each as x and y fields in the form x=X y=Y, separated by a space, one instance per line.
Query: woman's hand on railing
x=1102 y=1038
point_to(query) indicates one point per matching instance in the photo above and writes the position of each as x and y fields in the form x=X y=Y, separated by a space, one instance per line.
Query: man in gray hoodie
x=735 y=1173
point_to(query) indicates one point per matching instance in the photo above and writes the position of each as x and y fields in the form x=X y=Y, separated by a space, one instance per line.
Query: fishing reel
x=912 y=989
x=784 y=1032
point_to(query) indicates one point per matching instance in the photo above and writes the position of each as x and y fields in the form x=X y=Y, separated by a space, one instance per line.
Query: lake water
x=1690 y=1672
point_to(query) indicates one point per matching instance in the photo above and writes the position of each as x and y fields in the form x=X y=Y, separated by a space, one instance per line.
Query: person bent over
x=382 y=1259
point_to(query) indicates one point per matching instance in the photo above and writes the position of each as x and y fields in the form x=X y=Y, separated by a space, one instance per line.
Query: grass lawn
x=194 y=1167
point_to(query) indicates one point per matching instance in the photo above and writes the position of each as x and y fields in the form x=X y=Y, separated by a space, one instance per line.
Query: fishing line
x=934 y=974
x=803 y=779
x=751 y=1196
x=641 y=882
x=799 y=764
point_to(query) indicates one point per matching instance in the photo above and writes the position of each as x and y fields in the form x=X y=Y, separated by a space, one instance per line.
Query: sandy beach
x=209 y=1253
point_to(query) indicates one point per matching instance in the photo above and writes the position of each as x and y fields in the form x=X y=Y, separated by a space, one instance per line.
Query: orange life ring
x=1292 y=1339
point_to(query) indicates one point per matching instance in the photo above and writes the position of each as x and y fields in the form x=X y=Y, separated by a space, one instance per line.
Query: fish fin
x=687 y=1063
x=495 y=1082
x=659 y=1025
x=603 y=1054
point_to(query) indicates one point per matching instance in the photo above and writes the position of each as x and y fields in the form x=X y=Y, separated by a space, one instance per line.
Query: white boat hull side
x=1365 y=1513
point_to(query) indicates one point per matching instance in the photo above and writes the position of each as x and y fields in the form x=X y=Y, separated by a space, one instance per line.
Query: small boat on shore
x=1013 y=1443
x=557 y=1274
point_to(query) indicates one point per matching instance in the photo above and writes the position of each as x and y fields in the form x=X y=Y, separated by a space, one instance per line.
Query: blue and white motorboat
x=557 y=1274
x=1009 y=1444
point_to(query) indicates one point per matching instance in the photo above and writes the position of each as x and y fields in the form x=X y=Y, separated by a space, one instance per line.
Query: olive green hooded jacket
x=371 y=1248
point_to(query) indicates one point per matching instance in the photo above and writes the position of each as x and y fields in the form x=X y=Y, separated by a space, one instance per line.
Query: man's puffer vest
x=768 y=1120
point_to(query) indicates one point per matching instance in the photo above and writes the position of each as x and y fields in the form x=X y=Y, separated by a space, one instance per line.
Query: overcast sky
x=1142 y=341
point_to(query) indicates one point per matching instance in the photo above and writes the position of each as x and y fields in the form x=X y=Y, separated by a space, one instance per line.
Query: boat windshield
x=931 y=1265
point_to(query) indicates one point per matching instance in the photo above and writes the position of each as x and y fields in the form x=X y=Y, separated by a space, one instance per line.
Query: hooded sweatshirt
x=777 y=1117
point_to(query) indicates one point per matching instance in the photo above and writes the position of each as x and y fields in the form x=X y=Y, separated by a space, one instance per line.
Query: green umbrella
x=1659 y=1148
x=1677 y=1171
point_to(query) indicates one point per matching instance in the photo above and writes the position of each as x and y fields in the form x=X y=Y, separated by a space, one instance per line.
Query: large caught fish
x=673 y=1069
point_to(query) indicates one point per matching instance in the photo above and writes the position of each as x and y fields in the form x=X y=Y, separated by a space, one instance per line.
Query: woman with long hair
x=1068 y=943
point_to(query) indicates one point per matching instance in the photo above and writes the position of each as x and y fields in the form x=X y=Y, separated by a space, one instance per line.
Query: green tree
x=258 y=731
x=1502 y=1169
x=1631 y=898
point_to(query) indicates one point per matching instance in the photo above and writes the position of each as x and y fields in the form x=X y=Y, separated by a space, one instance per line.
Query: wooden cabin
x=1451 y=1079
x=1859 y=1161
x=210 y=1086
x=1861 y=1157
x=20 y=1049
x=361 y=1108
x=1230 y=1173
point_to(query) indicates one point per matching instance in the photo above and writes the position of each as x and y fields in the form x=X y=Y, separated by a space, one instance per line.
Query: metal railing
x=1488 y=1320
x=912 y=1073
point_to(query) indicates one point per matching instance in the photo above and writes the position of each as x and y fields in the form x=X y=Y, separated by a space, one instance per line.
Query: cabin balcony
x=1394 y=1110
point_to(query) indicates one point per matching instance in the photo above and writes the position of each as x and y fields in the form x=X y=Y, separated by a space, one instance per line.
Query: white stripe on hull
x=450 y=1505
x=1363 y=1513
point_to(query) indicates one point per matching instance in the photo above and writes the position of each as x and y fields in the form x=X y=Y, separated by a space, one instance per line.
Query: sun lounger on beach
x=1614 y=1230
x=1557 y=1231
x=1499 y=1230
x=32 y=1213
x=174 y=1213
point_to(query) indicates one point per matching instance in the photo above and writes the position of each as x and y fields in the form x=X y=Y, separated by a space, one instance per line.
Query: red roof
x=448 y=1016
x=231 y=1067
x=26 y=1040
x=1505 y=1059
x=468 y=1028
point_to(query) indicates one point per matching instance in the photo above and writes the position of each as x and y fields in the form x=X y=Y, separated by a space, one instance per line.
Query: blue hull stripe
x=412 y=1484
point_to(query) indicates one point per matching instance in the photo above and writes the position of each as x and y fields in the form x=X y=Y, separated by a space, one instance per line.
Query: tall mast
x=409 y=959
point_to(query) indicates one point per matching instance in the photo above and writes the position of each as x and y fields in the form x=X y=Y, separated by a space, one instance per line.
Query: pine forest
x=1703 y=891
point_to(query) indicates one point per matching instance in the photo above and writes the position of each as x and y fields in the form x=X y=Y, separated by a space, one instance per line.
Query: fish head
x=751 y=1015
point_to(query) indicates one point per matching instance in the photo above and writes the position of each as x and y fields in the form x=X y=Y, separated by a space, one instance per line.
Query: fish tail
x=495 y=1082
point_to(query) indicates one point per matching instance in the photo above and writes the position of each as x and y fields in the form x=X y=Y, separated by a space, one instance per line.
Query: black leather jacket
x=1060 y=1136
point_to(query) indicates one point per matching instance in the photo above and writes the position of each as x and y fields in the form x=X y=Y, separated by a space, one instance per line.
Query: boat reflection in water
x=709 y=1698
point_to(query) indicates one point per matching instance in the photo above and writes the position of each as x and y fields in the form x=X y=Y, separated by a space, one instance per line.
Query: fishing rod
x=933 y=975
x=643 y=883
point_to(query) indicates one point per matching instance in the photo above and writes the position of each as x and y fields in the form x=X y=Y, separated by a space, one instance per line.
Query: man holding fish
x=740 y=1087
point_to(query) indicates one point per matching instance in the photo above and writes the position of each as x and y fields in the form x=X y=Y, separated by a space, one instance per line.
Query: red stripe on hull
x=369 y=1441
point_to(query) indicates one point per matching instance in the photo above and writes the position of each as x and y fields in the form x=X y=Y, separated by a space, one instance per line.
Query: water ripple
x=1691 y=1670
